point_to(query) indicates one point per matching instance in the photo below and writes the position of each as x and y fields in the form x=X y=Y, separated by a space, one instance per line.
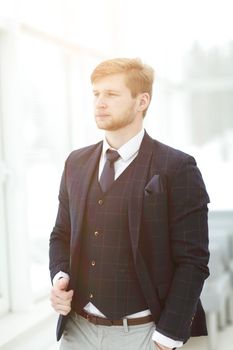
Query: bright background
x=48 y=49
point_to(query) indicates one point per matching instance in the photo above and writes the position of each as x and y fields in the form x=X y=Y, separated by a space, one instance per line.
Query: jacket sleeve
x=59 y=245
x=188 y=229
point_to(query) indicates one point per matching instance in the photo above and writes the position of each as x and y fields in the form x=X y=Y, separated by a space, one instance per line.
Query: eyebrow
x=108 y=90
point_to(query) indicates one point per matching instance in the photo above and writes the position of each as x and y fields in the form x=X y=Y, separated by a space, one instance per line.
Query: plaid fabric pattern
x=167 y=221
x=106 y=269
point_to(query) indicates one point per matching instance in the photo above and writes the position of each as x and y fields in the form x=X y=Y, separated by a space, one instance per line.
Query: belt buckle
x=108 y=322
x=88 y=317
x=92 y=319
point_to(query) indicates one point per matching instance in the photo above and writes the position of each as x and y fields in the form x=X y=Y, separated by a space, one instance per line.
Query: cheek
x=94 y=103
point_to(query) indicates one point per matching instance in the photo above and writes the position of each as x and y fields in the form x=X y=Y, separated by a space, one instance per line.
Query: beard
x=110 y=123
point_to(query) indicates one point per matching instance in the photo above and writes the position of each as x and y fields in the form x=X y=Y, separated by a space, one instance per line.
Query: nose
x=100 y=102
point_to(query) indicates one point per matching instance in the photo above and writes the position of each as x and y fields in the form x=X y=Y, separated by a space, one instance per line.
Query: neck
x=118 y=138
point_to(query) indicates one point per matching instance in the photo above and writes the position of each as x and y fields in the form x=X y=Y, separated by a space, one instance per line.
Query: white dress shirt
x=128 y=152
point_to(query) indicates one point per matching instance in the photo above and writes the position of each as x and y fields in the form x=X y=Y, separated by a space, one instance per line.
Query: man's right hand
x=60 y=297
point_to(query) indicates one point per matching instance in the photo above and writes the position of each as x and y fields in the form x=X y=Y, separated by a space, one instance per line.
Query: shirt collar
x=129 y=148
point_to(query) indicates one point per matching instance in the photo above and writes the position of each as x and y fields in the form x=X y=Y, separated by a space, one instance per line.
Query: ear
x=143 y=101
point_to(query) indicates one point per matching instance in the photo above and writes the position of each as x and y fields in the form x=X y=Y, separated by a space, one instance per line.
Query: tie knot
x=112 y=156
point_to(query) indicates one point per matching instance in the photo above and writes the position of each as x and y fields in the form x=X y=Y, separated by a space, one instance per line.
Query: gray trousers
x=80 y=334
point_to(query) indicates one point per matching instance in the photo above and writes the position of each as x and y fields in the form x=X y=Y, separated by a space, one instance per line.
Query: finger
x=62 y=283
x=62 y=309
x=56 y=304
x=62 y=294
x=58 y=301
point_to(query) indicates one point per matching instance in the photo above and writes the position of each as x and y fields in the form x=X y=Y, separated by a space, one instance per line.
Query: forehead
x=111 y=82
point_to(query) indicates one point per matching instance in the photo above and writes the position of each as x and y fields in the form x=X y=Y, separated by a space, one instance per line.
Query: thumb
x=63 y=283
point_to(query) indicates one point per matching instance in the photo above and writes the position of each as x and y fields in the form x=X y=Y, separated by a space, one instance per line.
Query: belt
x=106 y=322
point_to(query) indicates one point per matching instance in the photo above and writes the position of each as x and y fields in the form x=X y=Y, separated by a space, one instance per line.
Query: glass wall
x=4 y=290
x=46 y=142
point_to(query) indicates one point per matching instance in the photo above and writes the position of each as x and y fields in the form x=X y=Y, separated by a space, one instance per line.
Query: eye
x=111 y=94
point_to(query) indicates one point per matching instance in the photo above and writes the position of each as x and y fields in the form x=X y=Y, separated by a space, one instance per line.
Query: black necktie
x=108 y=173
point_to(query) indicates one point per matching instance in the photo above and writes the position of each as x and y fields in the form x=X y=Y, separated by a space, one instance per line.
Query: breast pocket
x=157 y=184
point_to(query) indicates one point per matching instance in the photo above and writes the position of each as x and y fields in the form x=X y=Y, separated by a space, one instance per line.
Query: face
x=114 y=106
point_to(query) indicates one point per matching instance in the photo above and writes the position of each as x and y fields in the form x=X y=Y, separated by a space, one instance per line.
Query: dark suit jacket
x=167 y=226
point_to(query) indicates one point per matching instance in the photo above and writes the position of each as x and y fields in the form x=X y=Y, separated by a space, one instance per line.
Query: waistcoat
x=106 y=274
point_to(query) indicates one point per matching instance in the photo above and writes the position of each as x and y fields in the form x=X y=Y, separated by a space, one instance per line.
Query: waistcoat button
x=96 y=233
x=100 y=202
x=93 y=263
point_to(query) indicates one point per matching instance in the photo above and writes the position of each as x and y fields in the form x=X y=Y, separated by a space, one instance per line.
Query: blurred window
x=46 y=137
x=4 y=295
x=209 y=85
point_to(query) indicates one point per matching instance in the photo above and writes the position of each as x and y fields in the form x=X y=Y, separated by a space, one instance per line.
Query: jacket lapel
x=137 y=186
x=85 y=174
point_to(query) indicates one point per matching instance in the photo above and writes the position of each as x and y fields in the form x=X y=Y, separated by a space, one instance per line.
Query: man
x=129 y=250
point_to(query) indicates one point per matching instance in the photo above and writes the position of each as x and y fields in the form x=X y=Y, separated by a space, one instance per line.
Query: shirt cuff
x=166 y=341
x=59 y=275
